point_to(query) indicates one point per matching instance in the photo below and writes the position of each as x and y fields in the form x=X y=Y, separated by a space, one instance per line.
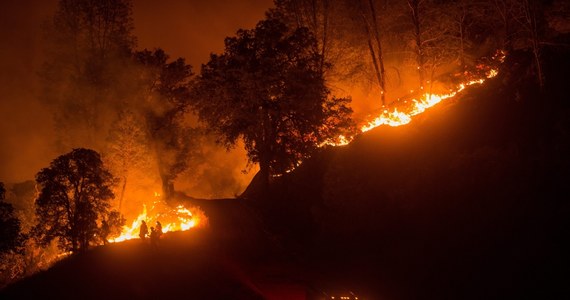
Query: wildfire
x=179 y=218
x=394 y=117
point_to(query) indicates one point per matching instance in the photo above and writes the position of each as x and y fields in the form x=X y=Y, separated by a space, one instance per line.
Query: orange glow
x=397 y=118
x=179 y=218
x=341 y=140
x=394 y=117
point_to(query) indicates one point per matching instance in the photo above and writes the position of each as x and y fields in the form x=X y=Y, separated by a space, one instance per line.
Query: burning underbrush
x=401 y=111
x=178 y=218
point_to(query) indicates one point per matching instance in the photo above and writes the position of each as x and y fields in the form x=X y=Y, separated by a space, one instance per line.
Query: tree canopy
x=268 y=88
x=75 y=191
x=166 y=92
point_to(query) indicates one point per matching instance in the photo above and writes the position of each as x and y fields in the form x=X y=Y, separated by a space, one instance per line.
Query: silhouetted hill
x=188 y=265
x=468 y=201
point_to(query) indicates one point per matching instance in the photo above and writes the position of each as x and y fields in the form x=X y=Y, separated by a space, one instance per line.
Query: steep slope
x=187 y=265
x=466 y=202
x=469 y=201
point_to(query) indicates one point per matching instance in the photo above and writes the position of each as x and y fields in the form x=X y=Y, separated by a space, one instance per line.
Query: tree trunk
x=380 y=54
x=535 y=39
x=415 y=14
x=122 y=192
x=264 y=173
x=167 y=186
x=540 y=76
x=264 y=148
x=325 y=33
x=372 y=53
x=461 y=41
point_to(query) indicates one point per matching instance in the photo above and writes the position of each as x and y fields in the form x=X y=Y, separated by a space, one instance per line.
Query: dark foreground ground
x=239 y=262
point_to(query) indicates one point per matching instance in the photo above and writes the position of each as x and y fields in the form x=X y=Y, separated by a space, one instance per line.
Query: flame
x=341 y=140
x=179 y=218
x=394 y=117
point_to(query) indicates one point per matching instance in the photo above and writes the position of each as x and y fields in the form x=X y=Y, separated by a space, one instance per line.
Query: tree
x=111 y=226
x=11 y=242
x=373 y=34
x=127 y=148
x=74 y=196
x=11 y=239
x=529 y=16
x=503 y=11
x=337 y=27
x=88 y=46
x=166 y=91
x=312 y=14
x=268 y=88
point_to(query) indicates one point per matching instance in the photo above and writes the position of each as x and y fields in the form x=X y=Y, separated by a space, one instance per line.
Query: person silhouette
x=159 y=229
x=154 y=238
x=105 y=231
x=143 y=231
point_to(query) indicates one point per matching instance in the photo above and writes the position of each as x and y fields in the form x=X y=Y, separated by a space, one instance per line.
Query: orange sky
x=183 y=28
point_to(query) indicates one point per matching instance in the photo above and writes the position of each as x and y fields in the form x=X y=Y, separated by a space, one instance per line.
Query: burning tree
x=75 y=191
x=268 y=88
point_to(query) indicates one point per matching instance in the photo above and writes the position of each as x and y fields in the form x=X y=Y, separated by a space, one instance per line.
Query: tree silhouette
x=11 y=241
x=166 y=91
x=127 y=149
x=11 y=238
x=268 y=88
x=75 y=191
x=367 y=12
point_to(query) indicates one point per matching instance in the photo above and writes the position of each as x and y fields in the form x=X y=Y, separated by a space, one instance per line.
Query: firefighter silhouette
x=154 y=237
x=144 y=230
x=159 y=229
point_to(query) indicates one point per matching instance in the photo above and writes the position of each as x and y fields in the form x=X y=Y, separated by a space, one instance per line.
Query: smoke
x=26 y=130
x=189 y=29
x=193 y=28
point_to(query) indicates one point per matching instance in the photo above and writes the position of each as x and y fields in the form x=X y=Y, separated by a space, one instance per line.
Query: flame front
x=394 y=117
x=397 y=118
x=179 y=218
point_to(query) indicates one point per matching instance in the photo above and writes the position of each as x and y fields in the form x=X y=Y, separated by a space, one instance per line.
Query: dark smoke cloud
x=191 y=29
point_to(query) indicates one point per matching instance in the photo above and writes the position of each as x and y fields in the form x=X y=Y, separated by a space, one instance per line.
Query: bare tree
x=504 y=9
x=88 y=43
x=127 y=148
x=369 y=18
x=416 y=13
x=527 y=13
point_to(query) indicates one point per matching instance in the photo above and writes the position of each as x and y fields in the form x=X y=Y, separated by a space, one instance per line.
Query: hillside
x=468 y=201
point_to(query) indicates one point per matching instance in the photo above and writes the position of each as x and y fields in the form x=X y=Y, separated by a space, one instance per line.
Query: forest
x=433 y=135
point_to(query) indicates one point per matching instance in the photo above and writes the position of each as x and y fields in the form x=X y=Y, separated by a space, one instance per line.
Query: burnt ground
x=469 y=201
